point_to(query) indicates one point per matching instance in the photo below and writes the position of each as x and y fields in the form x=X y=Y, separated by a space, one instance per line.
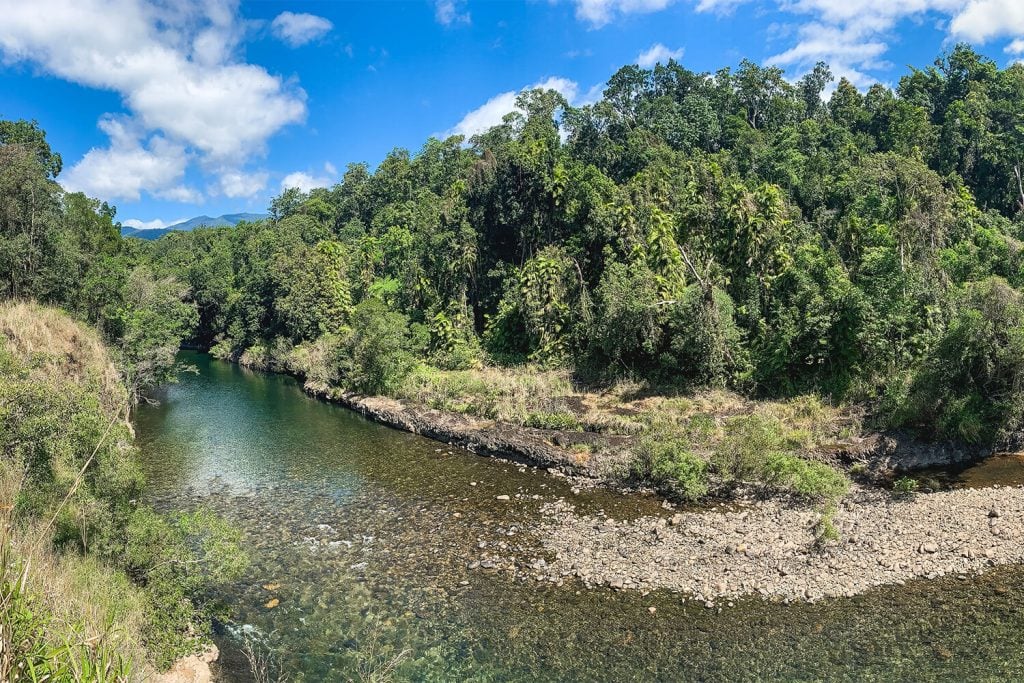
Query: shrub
x=376 y=355
x=666 y=458
x=555 y=420
x=971 y=383
x=806 y=478
x=749 y=439
x=906 y=486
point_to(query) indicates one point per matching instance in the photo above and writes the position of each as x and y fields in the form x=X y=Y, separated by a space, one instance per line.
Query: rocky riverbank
x=768 y=549
x=545 y=448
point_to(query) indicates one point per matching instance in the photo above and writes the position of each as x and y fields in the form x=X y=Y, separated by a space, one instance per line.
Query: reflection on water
x=1003 y=468
x=363 y=535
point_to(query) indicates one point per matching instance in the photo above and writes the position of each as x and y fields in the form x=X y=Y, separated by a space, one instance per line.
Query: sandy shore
x=767 y=548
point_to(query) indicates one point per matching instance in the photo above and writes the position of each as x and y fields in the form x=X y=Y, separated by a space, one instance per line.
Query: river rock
x=884 y=541
x=191 y=669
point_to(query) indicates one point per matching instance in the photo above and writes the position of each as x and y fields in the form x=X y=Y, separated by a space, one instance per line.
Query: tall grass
x=61 y=618
x=506 y=394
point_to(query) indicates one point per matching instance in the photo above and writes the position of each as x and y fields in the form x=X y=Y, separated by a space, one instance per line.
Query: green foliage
x=666 y=458
x=629 y=319
x=806 y=478
x=761 y=448
x=542 y=301
x=317 y=298
x=970 y=382
x=379 y=352
x=906 y=486
x=32 y=649
x=732 y=228
x=554 y=420
x=825 y=530
x=63 y=424
x=150 y=325
x=178 y=559
x=705 y=344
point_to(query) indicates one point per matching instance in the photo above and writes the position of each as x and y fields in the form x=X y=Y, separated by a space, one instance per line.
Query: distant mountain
x=226 y=221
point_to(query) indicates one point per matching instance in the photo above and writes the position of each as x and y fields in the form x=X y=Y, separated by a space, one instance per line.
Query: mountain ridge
x=224 y=221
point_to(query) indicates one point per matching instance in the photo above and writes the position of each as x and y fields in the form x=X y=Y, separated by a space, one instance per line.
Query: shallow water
x=363 y=534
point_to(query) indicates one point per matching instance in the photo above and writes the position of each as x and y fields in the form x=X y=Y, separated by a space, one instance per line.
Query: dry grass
x=518 y=395
x=506 y=394
x=89 y=607
x=55 y=345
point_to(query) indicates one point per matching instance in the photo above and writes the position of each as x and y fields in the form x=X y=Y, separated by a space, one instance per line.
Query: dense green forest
x=687 y=231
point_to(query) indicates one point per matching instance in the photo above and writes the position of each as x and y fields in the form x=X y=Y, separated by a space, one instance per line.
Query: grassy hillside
x=93 y=585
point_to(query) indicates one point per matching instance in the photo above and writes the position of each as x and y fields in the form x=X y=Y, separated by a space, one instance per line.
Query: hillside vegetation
x=800 y=242
x=93 y=585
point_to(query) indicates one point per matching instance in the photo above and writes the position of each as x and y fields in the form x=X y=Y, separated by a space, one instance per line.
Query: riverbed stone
x=709 y=555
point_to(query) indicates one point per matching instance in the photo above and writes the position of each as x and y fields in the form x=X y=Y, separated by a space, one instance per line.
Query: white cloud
x=128 y=166
x=180 y=193
x=719 y=6
x=235 y=184
x=598 y=13
x=982 y=20
x=853 y=36
x=494 y=110
x=657 y=54
x=304 y=181
x=175 y=67
x=298 y=29
x=448 y=12
x=155 y=224
x=309 y=181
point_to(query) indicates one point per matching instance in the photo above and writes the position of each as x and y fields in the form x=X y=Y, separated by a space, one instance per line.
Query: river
x=361 y=540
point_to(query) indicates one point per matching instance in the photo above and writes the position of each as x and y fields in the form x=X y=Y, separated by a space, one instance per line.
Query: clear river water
x=361 y=538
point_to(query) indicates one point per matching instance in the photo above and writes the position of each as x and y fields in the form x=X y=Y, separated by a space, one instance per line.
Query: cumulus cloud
x=174 y=65
x=130 y=165
x=303 y=181
x=155 y=224
x=308 y=181
x=494 y=110
x=599 y=13
x=657 y=54
x=448 y=12
x=853 y=36
x=299 y=29
x=982 y=20
x=235 y=183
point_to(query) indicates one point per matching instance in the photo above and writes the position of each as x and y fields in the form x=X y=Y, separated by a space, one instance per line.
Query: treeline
x=689 y=229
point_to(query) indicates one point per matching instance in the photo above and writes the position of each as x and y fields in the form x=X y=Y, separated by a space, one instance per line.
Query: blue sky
x=174 y=108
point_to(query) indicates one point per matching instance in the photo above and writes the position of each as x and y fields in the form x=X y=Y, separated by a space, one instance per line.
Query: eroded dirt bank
x=538 y=447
